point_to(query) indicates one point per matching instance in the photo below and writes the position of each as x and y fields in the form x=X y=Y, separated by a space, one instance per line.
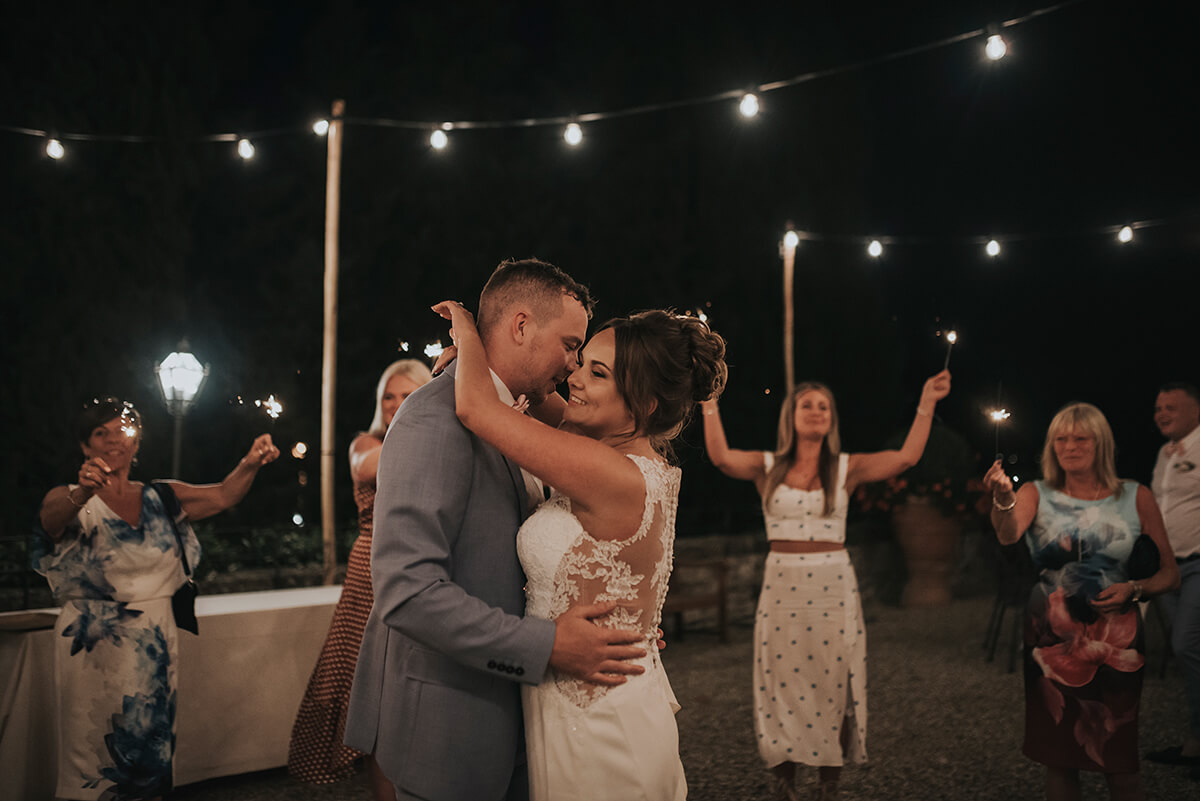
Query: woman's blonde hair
x=785 y=448
x=1088 y=419
x=413 y=369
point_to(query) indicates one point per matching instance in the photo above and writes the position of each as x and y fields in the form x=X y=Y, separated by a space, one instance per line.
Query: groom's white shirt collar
x=503 y=391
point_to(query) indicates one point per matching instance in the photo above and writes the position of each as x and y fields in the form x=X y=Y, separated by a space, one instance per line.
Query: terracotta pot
x=929 y=539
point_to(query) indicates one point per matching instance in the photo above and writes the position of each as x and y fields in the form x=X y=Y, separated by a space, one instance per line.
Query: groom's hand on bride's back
x=592 y=652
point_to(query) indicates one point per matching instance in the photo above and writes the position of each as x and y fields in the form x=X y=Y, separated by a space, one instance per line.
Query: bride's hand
x=455 y=312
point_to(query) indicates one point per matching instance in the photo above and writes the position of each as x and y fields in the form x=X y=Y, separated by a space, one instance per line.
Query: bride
x=605 y=535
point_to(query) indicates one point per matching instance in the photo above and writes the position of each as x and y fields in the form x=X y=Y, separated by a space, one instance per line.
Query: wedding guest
x=112 y=550
x=1176 y=487
x=1084 y=646
x=316 y=753
x=810 y=677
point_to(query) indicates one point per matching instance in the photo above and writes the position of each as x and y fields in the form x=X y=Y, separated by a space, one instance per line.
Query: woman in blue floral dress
x=109 y=550
x=1084 y=649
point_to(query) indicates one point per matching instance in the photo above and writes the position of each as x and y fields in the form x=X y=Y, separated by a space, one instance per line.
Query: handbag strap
x=175 y=515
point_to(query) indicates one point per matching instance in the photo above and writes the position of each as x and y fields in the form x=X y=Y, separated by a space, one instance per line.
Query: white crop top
x=794 y=514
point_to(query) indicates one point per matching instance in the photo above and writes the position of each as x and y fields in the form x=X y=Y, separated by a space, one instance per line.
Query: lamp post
x=181 y=377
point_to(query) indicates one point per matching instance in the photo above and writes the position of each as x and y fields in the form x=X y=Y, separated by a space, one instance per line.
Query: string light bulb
x=875 y=249
x=992 y=248
x=438 y=140
x=1125 y=235
x=245 y=149
x=996 y=48
x=791 y=239
x=573 y=134
x=55 y=149
x=748 y=107
x=321 y=127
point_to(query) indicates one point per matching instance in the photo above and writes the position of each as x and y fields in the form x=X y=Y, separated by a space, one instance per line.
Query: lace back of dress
x=633 y=572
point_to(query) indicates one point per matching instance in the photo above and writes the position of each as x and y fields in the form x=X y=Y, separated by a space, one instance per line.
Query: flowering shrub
x=953 y=496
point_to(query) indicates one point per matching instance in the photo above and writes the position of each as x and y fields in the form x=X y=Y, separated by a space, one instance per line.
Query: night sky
x=119 y=250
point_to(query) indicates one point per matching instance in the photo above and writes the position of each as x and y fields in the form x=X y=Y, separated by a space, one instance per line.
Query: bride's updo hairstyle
x=666 y=363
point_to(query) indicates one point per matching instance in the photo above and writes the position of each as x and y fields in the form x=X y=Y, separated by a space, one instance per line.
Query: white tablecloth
x=240 y=684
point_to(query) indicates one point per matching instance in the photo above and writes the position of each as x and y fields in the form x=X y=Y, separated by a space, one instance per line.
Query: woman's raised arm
x=865 y=468
x=745 y=465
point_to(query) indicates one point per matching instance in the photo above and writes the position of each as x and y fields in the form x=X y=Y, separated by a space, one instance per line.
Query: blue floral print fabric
x=117 y=648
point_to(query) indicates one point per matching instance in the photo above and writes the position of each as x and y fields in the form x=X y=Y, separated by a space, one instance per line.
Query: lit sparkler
x=998 y=416
x=271 y=406
x=951 y=338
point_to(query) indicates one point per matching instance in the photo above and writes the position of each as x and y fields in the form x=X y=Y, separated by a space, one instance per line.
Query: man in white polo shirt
x=1177 y=489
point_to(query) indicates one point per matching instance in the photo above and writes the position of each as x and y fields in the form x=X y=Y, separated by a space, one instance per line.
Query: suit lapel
x=518 y=479
x=514 y=472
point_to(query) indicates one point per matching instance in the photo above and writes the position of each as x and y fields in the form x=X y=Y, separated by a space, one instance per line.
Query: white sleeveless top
x=795 y=514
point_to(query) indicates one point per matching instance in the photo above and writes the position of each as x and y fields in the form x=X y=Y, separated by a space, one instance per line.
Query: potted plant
x=928 y=505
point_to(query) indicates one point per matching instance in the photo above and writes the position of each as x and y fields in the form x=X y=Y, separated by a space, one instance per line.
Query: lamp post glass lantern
x=181 y=377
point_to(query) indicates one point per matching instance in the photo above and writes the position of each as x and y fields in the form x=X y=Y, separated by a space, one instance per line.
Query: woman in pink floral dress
x=1084 y=649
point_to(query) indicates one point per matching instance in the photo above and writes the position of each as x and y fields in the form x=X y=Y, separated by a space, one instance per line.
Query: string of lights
x=749 y=103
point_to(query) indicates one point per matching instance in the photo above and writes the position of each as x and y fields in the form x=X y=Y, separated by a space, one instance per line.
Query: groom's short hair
x=538 y=283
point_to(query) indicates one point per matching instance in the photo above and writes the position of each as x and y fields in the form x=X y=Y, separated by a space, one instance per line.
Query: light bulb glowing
x=321 y=127
x=999 y=415
x=791 y=239
x=55 y=149
x=299 y=450
x=573 y=134
x=996 y=48
x=404 y=347
x=438 y=140
x=951 y=337
x=298 y=519
x=245 y=149
x=875 y=249
x=1125 y=235
x=748 y=107
x=434 y=349
x=993 y=248
x=702 y=316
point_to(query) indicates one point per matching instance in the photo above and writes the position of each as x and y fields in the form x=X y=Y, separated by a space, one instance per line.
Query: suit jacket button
x=520 y=671
x=491 y=664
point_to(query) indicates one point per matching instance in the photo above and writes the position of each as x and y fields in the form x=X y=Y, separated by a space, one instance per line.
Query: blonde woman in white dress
x=604 y=536
x=810 y=673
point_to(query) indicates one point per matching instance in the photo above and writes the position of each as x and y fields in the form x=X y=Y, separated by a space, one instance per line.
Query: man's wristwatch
x=1137 y=592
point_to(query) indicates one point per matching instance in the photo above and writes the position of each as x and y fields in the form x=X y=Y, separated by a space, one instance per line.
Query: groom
x=436 y=695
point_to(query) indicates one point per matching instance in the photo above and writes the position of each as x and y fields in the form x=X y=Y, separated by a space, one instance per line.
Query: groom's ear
x=521 y=327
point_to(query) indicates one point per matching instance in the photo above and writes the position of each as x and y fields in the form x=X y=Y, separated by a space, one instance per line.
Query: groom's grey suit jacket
x=436 y=695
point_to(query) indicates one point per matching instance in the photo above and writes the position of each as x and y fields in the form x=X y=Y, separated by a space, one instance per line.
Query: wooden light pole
x=333 y=180
x=787 y=249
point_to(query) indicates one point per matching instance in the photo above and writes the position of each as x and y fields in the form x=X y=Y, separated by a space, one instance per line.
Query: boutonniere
x=1185 y=466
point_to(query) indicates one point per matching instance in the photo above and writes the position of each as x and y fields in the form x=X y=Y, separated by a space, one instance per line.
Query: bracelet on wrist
x=996 y=504
x=1136 y=594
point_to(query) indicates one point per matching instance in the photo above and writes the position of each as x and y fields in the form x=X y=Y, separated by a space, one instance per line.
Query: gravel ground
x=943 y=723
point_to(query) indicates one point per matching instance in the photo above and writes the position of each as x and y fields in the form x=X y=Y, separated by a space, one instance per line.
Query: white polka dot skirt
x=810 y=668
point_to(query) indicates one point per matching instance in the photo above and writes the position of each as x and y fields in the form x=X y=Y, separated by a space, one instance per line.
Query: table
x=240 y=684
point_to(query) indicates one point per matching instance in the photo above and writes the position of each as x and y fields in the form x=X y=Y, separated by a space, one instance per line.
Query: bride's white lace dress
x=584 y=741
